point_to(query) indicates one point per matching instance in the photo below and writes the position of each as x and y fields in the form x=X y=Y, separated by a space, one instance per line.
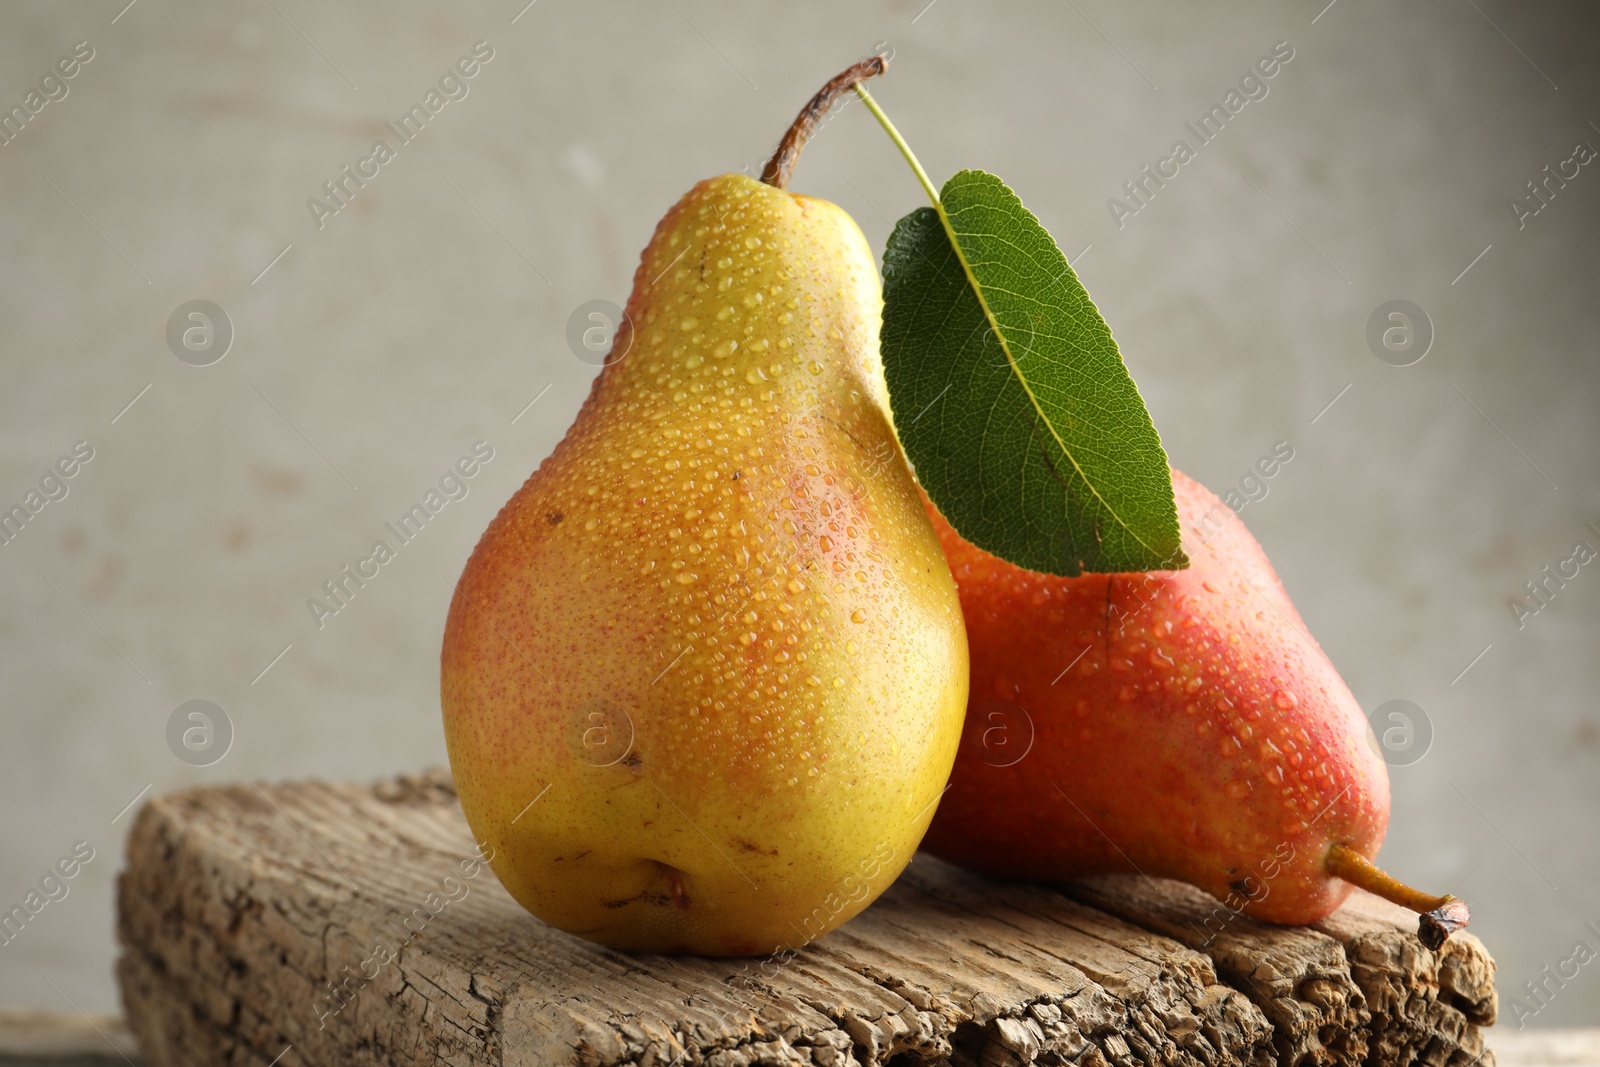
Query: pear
x=703 y=677
x=1178 y=723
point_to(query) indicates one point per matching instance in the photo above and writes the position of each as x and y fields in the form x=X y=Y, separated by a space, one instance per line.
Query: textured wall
x=424 y=316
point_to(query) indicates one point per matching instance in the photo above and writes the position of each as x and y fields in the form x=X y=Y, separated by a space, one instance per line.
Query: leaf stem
x=900 y=143
x=995 y=328
x=955 y=241
x=998 y=331
x=950 y=232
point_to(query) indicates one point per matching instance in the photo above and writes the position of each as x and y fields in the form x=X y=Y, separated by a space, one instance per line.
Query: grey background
x=427 y=315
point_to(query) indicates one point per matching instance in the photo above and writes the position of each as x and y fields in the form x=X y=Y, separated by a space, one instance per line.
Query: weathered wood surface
x=33 y=1039
x=1356 y=988
x=258 y=919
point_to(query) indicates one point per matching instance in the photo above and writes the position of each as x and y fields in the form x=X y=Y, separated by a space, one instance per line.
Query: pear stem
x=781 y=166
x=1440 y=916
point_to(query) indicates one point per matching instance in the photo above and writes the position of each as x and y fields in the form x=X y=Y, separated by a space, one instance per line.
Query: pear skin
x=703 y=677
x=1175 y=723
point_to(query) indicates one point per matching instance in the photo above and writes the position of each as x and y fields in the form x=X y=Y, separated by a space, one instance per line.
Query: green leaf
x=1010 y=396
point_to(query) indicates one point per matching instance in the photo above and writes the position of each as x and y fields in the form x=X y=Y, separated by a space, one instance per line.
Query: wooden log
x=348 y=924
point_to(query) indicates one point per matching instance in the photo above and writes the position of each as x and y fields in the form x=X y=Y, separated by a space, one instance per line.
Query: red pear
x=1176 y=723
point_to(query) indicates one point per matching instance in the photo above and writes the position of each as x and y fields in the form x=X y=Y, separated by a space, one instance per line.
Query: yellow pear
x=704 y=675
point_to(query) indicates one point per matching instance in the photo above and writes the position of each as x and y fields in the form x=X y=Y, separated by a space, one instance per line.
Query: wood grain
x=339 y=922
